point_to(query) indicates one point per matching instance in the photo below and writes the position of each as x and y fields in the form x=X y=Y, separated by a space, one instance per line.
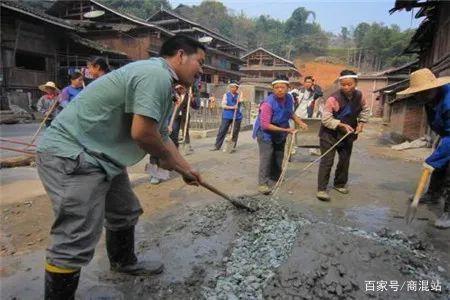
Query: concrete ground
x=320 y=250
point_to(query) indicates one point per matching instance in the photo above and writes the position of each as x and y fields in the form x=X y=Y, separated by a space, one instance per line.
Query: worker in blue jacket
x=436 y=91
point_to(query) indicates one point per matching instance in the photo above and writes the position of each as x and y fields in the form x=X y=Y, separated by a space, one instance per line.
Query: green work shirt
x=98 y=122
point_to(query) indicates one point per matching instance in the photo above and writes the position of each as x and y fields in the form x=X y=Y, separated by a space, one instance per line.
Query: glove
x=427 y=166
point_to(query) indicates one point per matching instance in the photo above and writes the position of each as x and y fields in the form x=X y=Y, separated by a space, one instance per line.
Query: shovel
x=230 y=145
x=184 y=150
x=412 y=209
x=236 y=202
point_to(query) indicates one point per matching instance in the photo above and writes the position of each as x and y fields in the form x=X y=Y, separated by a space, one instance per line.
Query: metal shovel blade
x=229 y=145
x=410 y=214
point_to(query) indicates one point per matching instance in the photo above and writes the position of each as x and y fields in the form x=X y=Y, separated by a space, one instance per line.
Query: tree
x=359 y=33
x=345 y=34
x=214 y=15
x=297 y=24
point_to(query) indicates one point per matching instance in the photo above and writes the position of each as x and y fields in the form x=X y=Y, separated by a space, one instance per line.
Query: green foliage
x=380 y=45
x=387 y=43
x=297 y=24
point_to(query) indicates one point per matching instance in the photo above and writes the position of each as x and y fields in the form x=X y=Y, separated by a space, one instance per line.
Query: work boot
x=264 y=189
x=323 y=196
x=60 y=283
x=342 y=190
x=120 y=248
x=427 y=198
x=443 y=222
x=214 y=149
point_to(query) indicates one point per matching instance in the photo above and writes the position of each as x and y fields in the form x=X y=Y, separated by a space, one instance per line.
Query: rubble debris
x=264 y=243
x=422 y=142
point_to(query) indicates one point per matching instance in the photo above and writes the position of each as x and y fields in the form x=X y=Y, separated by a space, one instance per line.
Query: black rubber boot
x=60 y=286
x=120 y=248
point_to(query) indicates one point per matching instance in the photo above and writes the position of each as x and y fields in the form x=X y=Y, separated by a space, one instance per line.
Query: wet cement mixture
x=277 y=254
x=292 y=247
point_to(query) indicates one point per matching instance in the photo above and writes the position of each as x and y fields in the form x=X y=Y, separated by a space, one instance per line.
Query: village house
x=432 y=44
x=224 y=56
x=377 y=86
x=126 y=33
x=261 y=66
x=397 y=78
x=36 y=48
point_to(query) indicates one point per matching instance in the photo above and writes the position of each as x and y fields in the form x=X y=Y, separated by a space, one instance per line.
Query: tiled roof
x=36 y=13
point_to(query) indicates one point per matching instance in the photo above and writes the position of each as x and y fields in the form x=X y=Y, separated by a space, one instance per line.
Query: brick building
x=432 y=44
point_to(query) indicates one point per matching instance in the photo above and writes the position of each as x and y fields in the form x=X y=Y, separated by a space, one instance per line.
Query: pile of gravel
x=265 y=241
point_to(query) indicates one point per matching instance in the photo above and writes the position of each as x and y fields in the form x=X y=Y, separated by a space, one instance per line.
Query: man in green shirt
x=83 y=156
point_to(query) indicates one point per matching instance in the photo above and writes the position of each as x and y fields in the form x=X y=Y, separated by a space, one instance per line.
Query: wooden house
x=126 y=33
x=224 y=56
x=36 y=48
x=261 y=66
x=432 y=44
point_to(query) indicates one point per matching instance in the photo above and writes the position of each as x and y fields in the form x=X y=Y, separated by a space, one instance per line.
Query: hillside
x=324 y=73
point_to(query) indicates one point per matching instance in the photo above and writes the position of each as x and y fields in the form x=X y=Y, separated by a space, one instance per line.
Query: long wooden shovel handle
x=18 y=150
x=215 y=191
x=285 y=164
x=421 y=186
x=175 y=111
x=49 y=112
x=187 y=116
x=16 y=142
x=206 y=185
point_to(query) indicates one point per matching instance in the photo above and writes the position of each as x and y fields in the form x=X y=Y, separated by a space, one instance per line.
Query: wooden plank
x=17 y=161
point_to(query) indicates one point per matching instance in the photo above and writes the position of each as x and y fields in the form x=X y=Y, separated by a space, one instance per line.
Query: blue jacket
x=439 y=121
x=231 y=101
x=281 y=114
x=68 y=94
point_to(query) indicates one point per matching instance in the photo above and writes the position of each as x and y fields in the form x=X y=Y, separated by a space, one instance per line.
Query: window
x=259 y=96
x=30 y=61
x=268 y=62
x=206 y=78
x=224 y=63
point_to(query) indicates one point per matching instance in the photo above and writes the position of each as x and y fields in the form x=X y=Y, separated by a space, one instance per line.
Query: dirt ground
x=293 y=247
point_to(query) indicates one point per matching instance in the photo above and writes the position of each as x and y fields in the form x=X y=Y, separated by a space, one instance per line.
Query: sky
x=331 y=14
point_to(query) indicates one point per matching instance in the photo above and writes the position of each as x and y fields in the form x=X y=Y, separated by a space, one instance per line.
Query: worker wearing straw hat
x=436 y=92
x=45 y=103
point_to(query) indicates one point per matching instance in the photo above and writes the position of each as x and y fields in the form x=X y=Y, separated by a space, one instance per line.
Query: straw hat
x=422 y=80
x=49 y=84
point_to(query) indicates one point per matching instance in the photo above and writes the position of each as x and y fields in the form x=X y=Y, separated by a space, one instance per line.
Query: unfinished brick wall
x=367 y=86
x=397 y=117
x=413 y=123
x=408 y=118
